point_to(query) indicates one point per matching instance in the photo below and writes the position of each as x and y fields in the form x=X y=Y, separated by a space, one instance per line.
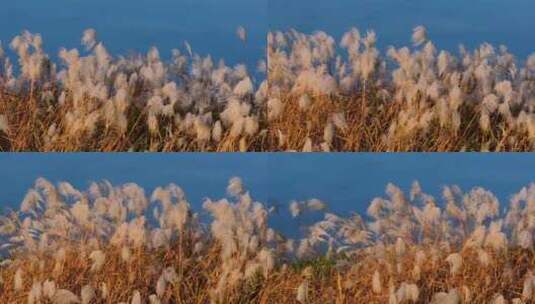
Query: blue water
x=210 y=25
x=449 y=22
x=136 y=25
x=347 y=182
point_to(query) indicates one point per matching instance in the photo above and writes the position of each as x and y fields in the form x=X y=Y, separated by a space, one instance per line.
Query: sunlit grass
x=114 y=244
x=317 y=95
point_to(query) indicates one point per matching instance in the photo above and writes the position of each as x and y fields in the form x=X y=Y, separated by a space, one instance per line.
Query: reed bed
x=92 y=101
x=348 y=96
x=115 y=244
x=308 y=94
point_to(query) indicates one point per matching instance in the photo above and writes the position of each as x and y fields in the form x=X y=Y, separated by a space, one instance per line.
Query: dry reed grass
x=365 y=131
x=327 y=281
x=368 y=121
x=29 y=122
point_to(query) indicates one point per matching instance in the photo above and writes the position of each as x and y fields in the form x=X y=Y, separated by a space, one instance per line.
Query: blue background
x=210 y=25
x=449 y=22
x=347 y=181
x=136 y=25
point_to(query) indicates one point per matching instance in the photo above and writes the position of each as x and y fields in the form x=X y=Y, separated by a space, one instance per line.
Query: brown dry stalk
x=367 y=124
x=328 y=282
x=30 y=121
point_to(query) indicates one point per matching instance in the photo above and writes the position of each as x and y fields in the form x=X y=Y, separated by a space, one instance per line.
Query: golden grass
x=29 y=122
x=328 y=282
x=368 y=123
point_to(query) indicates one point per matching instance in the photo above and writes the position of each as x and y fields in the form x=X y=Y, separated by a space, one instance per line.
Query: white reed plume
x=419 y=35
x=242 y=34
x=49 y=289
x=528 y=287
x=4 y=125
x=18 y=280
x=456 y=262
x=136 y=298
x=87 y=294
x=376 y=283
x=247 y=241
x=302 y=292
x=64 y=296
x=98 y=258
x=89 y=39
x=35 y=294
x=450 y=297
